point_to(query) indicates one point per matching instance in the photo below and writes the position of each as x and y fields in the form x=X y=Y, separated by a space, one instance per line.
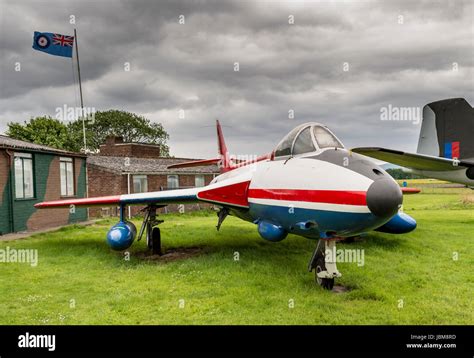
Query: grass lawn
x=406 y=279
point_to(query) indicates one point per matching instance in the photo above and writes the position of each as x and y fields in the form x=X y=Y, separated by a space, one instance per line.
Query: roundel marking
x=42 y=41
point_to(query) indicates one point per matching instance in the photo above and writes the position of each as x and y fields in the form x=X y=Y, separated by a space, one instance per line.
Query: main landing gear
x=323 y=262
x=153 y=234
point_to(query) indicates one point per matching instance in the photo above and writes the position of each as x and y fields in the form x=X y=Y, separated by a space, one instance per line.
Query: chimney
x=112 y=139
x=114 y=146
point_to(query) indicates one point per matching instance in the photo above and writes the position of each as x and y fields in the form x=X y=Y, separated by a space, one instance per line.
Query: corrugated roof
x=7 y=142
x=147 y=165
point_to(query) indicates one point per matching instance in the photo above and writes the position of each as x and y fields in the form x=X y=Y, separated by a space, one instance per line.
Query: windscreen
x=304 y=142
x=325 y=139
x=285 y=146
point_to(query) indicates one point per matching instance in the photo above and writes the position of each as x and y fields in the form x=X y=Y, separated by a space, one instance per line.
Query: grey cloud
x=282 y=66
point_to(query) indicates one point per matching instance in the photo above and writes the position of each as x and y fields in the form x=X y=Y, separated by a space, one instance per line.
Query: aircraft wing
x=230 y=192
x=413 y=160
x=195 y=163
x=158 y=197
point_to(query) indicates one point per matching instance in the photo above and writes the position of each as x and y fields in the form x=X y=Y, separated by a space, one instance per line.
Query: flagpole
x=80 y=91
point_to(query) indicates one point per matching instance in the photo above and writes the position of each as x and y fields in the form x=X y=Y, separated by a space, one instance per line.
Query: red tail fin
x=220 y=139
x=226 y=163
x=223 y=153
x=223 y=160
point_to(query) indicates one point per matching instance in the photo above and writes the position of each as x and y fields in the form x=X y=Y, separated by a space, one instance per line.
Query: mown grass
x=406 y=279
x=423 y=181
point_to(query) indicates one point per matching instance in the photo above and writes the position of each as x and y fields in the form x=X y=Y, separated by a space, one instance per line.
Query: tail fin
x=220 y=139
x=223 y=161
x=447 y=129
x=226 y=164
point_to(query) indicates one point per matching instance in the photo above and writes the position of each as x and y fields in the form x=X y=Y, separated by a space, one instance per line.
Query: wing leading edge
x=178 y=196
x=413 y=160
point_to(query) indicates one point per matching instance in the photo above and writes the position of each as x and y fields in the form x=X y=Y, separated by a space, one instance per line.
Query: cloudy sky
x=335 y=62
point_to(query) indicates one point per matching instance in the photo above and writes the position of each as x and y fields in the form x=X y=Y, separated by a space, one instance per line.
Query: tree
x=46 y=131
x=54 y=133
x=400 y=174
x=130 y=126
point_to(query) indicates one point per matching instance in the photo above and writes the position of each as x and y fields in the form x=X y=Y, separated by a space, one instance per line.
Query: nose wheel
x=323 y=262
x=326 y=283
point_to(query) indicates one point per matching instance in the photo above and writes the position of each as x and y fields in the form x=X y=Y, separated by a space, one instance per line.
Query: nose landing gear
x=323 y=262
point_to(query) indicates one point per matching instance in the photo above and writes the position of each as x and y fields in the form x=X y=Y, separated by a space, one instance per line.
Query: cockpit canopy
x=307 y=138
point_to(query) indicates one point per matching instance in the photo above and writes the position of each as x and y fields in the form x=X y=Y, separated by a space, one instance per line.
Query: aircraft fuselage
x=333 y=193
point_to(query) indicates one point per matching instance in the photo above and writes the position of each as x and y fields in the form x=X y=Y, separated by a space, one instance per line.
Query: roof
x=120 y=165
x=131 y=143
x=11 y=143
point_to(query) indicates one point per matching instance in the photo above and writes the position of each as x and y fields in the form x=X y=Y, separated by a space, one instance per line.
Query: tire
x=156 y=241
x=326 y=283
x=149 y=242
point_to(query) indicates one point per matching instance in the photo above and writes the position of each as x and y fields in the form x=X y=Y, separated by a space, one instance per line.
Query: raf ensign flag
x=54 y=44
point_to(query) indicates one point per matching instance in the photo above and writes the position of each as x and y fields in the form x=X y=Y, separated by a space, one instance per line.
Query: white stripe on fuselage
x=312 y=205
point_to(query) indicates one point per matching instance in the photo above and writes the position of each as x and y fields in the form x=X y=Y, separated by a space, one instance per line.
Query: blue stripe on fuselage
x=343 y=223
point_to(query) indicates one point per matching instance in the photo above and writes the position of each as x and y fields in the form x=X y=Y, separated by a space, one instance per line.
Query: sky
x=260 y=67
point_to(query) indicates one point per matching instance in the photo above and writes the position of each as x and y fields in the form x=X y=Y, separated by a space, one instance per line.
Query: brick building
x=31 y=173
x=123 y=168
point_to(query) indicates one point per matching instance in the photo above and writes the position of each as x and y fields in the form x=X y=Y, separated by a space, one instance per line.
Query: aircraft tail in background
x=447 y=129
x=445 y=145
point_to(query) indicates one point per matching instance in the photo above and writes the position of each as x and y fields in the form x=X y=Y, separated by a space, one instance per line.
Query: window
x=199 y=180
x=66 y=171
x=173 y=182
x=284 y=148
x=304 y=142
x=23 y=176
x=140 y=184
x=325 y=139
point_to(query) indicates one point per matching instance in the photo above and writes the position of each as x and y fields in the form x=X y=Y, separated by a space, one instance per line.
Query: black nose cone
x=384 y=197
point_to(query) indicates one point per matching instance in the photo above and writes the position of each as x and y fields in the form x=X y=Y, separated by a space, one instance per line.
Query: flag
x=54 y=44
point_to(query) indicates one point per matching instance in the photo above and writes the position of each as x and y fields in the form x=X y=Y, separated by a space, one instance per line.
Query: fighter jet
x=310 y=185
x=445 y=145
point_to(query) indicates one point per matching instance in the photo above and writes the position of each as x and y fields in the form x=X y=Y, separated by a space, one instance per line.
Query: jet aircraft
x=310 y=185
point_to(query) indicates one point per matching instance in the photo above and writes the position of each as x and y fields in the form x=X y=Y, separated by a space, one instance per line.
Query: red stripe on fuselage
x=104 y=200
x=314 y=196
